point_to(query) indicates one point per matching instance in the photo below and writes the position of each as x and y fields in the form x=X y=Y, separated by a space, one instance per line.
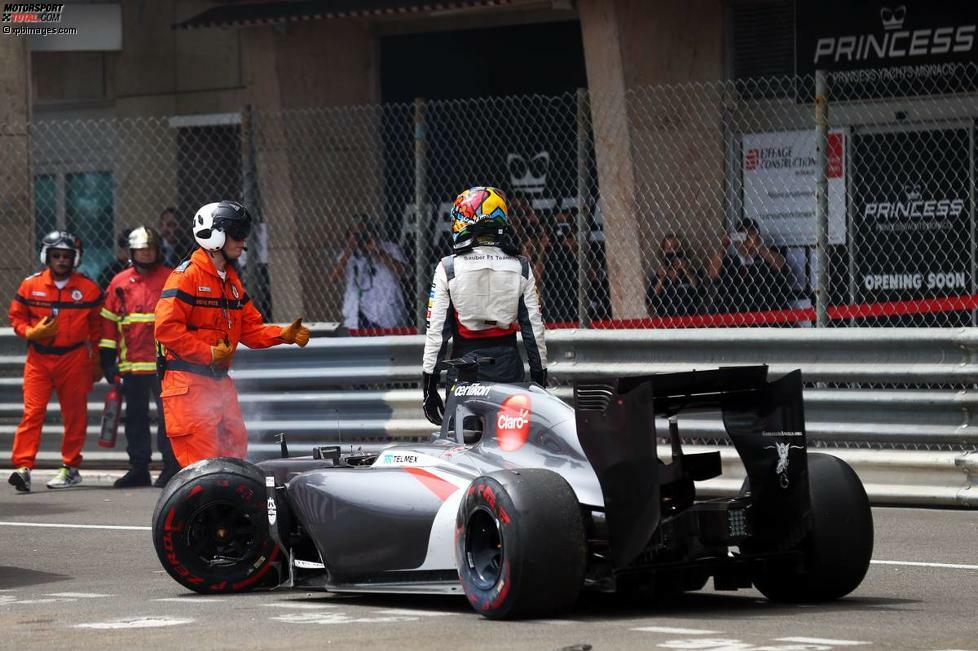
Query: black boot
x=136 y=477
x=166 y=474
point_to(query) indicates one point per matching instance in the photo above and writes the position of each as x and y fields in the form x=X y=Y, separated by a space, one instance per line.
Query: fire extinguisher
x=110 y=415
x=113 y=399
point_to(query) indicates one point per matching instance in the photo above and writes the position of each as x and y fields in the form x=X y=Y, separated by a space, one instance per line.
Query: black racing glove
x=540 y=377
x=433 y=407
x=106 y=357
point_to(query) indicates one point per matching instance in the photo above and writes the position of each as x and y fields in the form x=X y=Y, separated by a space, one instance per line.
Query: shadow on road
x=696 y=606
x=18 y=577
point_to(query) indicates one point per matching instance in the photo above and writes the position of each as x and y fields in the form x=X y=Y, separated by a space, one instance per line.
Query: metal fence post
x=249 y=196
x=821 y=199
x=420 y=213
x=583 y=234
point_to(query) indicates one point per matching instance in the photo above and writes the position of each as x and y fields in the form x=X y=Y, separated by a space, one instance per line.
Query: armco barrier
x=910 y=445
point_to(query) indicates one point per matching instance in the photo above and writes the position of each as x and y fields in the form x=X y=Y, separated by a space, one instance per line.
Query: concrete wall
x=16 y=187
x=315 y=168
x=631 y=45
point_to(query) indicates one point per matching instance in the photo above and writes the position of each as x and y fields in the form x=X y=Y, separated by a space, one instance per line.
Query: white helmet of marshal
x=61 y=240
x=214 y=222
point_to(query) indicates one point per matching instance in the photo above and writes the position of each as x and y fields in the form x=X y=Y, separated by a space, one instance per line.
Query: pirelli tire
x=839 y=547
x=210 y=528
x=520 y=544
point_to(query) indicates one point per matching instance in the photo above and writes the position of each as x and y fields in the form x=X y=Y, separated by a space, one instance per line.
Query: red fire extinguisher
x=113 y=399
x=110 y=415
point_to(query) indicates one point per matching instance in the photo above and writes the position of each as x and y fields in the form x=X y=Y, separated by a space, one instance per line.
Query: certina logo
x=894 y=43
x=272 y=510
x=472 y=390
x=513 y=422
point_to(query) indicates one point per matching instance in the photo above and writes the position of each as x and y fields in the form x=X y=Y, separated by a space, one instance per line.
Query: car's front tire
x=210 y=528
x=520 y=544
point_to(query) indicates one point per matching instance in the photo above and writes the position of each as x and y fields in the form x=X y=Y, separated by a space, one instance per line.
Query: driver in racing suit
x=481 y=295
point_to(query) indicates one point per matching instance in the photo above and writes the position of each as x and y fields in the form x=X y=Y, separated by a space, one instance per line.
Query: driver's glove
x=433 y=407
x=540 y=377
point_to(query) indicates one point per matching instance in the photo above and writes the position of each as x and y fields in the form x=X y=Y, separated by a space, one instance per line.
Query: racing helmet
x=61 y=240
x=144 y=237
x=479 y=214
x=215 y=222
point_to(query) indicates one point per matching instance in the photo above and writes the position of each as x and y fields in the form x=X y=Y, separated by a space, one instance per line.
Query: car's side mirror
x=471 y=429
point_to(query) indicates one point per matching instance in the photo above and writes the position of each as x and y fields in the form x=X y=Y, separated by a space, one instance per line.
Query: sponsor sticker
x=203 y=288
x=37 y=293
x=472 y=390
x=405 y=458
x=513 y=422
x=76 y=295
x=272 y=511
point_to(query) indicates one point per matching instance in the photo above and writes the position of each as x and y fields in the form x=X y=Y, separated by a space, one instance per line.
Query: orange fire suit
x=63 y=363
x=128 y=319
x=198 y=310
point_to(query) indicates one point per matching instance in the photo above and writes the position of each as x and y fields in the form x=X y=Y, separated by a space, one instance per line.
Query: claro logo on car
x=513 y=422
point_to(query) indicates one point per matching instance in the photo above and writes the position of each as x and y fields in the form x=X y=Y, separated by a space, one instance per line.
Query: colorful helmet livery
x=479 y=205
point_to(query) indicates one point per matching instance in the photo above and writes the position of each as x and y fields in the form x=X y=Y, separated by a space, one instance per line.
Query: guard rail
x=899 y=404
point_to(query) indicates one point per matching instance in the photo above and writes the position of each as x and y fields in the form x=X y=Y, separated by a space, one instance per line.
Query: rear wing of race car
x=764 y=420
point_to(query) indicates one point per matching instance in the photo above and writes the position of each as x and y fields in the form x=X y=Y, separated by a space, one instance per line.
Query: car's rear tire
x=520 y=544
x=838 y=549
x=210 y=528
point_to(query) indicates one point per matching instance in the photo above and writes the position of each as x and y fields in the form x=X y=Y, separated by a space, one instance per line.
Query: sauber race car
x=521 y=501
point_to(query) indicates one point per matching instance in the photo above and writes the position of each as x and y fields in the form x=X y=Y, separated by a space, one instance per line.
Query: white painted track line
x=137 y=622
x=821 y=640
x=80 y=595
x=115 y=527
x=670 y=630
x=948 y=566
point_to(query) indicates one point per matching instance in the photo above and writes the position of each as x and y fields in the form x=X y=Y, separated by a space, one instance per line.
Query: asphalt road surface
x=78 y=571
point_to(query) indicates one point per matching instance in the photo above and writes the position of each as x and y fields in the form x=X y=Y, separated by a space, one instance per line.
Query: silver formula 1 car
x=521 y=501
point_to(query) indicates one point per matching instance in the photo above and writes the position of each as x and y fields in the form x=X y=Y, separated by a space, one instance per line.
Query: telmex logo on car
x=513 y=422
x=405 y=459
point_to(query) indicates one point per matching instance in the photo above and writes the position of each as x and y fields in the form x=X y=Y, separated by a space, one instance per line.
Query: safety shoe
x=21 y=479
x=136 y=477
x=66 y=478
x=166 y=475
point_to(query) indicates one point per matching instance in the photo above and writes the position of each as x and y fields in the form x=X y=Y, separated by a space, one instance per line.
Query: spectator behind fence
x=560 y=264
x=748 y=275
x=57 y=311
x=121 y=260
x=175 y=240
x=372 y=270
x=675 y=288
x=528 y=230
x=128 y=354
x=202 y=315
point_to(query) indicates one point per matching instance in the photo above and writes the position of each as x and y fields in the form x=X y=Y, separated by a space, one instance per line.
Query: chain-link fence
x=690 y=205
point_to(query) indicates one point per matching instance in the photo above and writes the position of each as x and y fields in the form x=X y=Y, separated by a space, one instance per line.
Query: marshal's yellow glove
x=221 y=355
x=45 y=329
x=295 y=333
